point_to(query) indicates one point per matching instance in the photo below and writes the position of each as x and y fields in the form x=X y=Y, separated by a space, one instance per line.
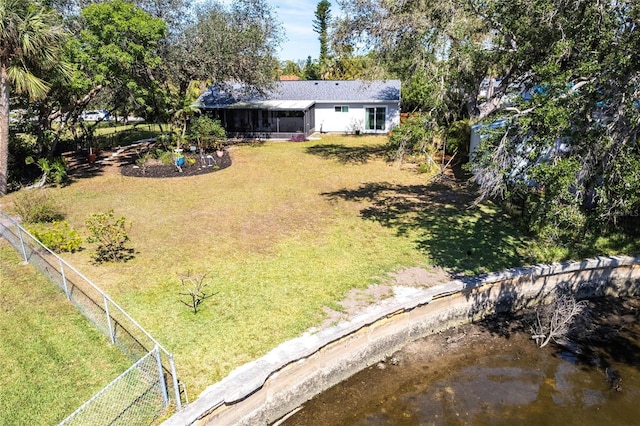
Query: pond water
x=492 y=373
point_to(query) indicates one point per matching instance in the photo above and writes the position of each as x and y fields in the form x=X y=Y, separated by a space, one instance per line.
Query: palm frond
x=40 y=37
x=23 y=81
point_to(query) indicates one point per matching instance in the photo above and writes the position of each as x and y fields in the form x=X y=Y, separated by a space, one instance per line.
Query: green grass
x=288 y=229
x=52 y=359
x=110 y=136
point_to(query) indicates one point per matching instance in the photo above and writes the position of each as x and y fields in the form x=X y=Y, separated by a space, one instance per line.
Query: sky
x=297 y=18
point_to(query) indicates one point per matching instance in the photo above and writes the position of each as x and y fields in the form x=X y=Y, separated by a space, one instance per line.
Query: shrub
x=36 y=206
x=52 y=171
x=298 y=137
x=428 y=167
x=110 y=235
x=59 y=236
x=555 y=208
x=414 y=138
x=155 y=157
x=207 y=133
x=166 y=157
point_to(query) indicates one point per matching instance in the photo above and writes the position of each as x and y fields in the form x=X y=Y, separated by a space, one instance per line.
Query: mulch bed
x=211 y=164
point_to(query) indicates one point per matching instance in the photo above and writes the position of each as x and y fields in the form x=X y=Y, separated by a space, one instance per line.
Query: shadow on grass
x=465 y=240
x=123 y=255
x=81 y=168
x=348 y=154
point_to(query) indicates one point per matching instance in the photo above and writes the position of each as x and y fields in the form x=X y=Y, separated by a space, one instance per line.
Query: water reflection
x=475 y=389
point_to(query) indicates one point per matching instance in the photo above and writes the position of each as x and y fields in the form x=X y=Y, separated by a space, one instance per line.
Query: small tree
x=194 y=289
x=208 y=133
x=111 y=236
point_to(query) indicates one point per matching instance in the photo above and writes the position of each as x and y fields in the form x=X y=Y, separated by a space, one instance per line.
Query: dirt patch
x=354 y=303
x=357 y=300
x=420 y=277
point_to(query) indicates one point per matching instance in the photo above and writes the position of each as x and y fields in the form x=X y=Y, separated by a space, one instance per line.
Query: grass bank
x=52 y=359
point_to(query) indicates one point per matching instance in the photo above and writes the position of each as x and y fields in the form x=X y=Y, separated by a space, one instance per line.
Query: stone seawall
x=266 y=390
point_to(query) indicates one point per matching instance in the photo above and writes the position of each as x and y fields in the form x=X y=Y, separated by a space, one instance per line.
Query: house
x=291 y=107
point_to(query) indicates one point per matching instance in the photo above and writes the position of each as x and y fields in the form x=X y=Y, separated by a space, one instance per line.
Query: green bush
x=158 y=154
x=555 y=211
x=110 y=235
x=428 y=167
x=36 y=206
x=413 y=138
x=207 y=133
x=58 y=236
x=166 y=157
x=458 y=135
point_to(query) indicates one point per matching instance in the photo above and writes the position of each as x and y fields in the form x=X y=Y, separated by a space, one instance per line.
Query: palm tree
x=30 y=39
x=187 y=109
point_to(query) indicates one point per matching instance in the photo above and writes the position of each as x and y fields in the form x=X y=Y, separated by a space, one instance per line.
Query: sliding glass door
x=375 y=118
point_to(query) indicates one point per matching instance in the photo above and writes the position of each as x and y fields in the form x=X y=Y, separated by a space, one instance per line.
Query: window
x=342 y=108
x=375 y=118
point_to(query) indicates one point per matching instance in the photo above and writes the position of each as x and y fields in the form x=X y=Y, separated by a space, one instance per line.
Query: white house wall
x=328 y=120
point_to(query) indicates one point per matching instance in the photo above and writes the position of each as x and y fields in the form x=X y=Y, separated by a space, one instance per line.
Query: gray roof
x=304 y=92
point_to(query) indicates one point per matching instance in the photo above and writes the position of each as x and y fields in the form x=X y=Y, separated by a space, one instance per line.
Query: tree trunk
x=4 y=129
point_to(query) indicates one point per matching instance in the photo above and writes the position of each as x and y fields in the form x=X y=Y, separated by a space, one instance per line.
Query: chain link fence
x=136 y=397
x=146 y=389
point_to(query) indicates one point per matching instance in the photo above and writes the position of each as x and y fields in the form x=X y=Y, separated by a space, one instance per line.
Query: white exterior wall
x=328 y=120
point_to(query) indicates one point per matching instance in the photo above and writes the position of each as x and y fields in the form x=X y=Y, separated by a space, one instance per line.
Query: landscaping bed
x=193 y=165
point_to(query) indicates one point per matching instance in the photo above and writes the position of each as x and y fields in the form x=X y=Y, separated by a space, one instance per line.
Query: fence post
x=24 y=250
x=106 y=311
x=163 y=384
x=64 y=280
x=176 y=388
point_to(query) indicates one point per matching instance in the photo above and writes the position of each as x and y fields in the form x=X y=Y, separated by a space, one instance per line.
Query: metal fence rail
x=121 y=329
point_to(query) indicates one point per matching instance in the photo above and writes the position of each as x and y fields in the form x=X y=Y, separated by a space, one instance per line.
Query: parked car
x=95 y=115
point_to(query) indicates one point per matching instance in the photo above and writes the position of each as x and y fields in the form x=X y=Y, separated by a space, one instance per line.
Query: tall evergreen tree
x=321 y=26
